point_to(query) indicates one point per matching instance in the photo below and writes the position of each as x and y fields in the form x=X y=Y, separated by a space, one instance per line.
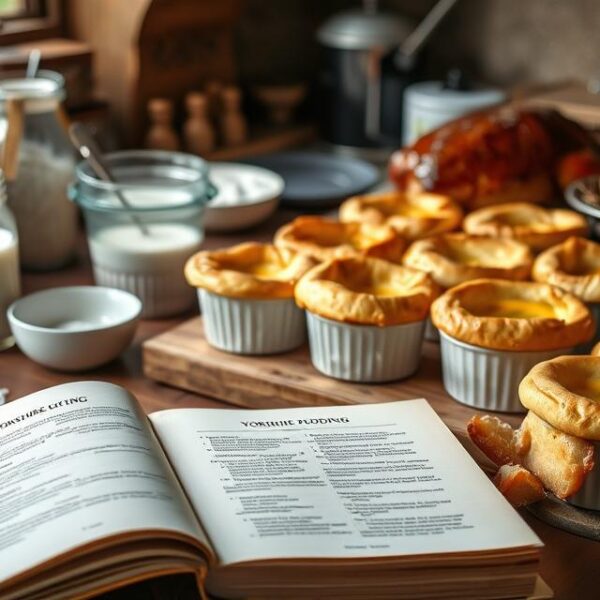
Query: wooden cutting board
x=181 y=357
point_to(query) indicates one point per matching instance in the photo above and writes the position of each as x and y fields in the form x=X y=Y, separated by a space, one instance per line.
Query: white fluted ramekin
x=247 y=326
x=364 y=353
x=162 y=294
x=589 y=494
x=487 y=379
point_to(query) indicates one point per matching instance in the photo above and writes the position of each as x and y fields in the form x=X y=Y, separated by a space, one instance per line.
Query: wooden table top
x=569 y=563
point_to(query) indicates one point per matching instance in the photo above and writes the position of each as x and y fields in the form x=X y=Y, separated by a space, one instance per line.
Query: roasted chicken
x=503 y=154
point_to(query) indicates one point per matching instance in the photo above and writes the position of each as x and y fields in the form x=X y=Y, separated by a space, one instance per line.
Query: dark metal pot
x=368 y=59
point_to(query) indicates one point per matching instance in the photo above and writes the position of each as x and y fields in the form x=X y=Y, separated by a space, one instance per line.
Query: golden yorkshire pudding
x=533 y=225
x=512 y=315
x=324 y=239
x=561 y=461
x=412 y=215
x=249 y=270
x=573 y=266
x=453 y=258
x=366 y=291
x=565 y=392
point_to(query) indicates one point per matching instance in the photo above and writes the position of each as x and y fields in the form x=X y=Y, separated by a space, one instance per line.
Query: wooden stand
x=182 y=358
x=155 y=49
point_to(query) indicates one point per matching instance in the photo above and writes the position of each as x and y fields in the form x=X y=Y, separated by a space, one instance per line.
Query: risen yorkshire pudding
x=453 y=258
x=412 y=215
x=324 y=239
x=366 y=291
x=249 y=270
x=533 y=225
x=573 y=266
x=565 y=392
x=511 y=315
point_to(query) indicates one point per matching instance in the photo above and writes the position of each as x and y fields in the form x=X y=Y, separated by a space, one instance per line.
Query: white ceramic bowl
x=74 y=328
x=247 y=196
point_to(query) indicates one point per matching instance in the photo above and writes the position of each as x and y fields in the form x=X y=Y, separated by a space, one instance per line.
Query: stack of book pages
x=373 y=501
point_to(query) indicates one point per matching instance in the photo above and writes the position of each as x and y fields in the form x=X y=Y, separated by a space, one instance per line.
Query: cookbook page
x=346 y=481
x=80 y=462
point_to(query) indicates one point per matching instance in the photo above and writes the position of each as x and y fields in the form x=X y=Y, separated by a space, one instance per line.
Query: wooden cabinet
x=154 y=48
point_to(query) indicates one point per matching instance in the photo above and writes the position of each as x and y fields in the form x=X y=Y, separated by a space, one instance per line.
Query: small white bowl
x=247 y=196
x=74 y=328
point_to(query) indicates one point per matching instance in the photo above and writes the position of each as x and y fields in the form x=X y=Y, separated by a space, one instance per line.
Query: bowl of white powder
x=246 y=196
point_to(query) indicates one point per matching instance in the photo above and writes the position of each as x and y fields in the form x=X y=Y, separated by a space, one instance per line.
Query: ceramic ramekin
x=487 y=379
x=247 y=326
x=589 y=494
x=364 y=353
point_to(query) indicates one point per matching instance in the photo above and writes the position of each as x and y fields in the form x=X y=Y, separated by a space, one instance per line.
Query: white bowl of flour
x=247 y=196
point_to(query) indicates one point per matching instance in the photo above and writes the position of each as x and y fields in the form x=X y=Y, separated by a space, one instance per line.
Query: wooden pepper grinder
x=232 y=123
x=161 y=135
x=198 y=133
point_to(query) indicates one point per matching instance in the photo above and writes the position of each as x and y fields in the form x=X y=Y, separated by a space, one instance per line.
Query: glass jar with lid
x=10 y=282
x=142 y=228
x=31 y=128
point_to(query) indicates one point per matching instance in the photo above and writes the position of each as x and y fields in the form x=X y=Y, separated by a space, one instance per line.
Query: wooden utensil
x=14 y=134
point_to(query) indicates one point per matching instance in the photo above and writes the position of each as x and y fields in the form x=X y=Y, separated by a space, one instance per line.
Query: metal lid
x=40 y=93
x=433 y=95
x=14 y=85
x=361 y=30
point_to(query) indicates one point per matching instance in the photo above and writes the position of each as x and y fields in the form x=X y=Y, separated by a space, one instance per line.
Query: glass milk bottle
x=10 y=283
x=39 y=168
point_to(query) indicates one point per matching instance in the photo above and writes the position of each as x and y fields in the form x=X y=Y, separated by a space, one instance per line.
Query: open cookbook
x=377 y=501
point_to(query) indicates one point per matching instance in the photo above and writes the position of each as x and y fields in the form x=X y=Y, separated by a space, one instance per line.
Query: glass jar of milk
x=10 y=281
x=143 y=228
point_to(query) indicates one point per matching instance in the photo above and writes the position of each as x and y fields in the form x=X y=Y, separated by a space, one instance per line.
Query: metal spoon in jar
x=33 y=63
x=90 y=152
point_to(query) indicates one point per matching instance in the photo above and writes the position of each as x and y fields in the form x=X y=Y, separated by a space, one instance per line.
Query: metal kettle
x=368 y=58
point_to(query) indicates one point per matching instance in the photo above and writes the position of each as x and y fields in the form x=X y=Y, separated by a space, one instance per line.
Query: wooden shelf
x=266 y=142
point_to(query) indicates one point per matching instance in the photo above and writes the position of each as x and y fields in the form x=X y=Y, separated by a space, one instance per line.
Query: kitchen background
x=117 y=55
x=501 y=41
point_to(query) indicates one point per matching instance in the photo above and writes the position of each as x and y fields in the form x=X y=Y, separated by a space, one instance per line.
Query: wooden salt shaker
x=232 y=123
x=161 y=135
x=198 y=133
